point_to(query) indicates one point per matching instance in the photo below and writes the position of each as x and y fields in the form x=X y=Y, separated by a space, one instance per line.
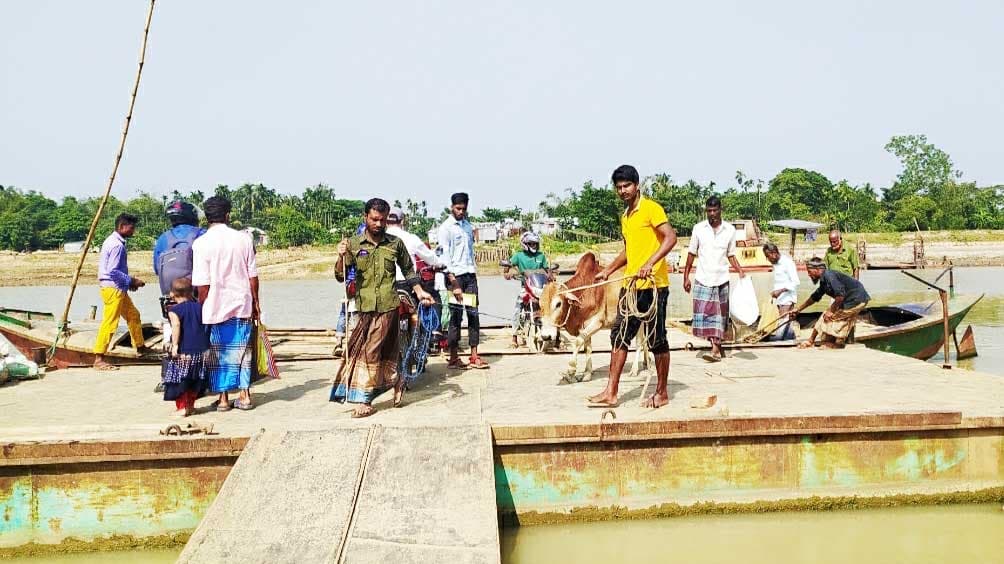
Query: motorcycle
x=526 y=324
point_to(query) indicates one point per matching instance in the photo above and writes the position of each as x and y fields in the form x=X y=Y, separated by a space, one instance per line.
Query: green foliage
x=30 y=221
x=290 y=228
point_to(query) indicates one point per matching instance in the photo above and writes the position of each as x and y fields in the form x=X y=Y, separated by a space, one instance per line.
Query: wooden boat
x=908 y=329
x=33 y=333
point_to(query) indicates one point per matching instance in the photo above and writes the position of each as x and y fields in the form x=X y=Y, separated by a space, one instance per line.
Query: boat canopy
x=796 y=224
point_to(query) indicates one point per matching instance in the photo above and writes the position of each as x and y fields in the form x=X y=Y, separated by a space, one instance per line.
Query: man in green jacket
x=840 y=258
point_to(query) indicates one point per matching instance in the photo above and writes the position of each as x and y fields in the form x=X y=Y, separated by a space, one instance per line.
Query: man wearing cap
x=849 y=299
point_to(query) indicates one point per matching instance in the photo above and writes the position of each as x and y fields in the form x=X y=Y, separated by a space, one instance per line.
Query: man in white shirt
x=785 y=291
x=225 y=271
x=423 y=259
x=713 y=244
x=456 y=239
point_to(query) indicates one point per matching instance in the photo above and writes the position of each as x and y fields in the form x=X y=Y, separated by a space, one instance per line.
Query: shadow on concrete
x=289 y=393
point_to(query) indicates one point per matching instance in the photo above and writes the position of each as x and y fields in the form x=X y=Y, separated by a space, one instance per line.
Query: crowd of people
x=209 y=283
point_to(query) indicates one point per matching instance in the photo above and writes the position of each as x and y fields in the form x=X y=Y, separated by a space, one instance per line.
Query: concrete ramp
x=356 y=495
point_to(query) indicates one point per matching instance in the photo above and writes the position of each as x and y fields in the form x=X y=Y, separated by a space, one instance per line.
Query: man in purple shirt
x=115 y=283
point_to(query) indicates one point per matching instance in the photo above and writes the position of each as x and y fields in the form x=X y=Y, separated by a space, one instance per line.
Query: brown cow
x=581 y=314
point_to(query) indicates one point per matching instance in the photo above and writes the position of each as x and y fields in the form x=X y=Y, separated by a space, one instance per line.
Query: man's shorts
x=624 y=331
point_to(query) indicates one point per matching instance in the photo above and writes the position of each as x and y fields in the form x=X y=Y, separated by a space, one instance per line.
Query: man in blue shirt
x=173 y=247
x=456 y=239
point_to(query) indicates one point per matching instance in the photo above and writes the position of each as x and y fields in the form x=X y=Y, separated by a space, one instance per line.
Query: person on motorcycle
x=529 y=258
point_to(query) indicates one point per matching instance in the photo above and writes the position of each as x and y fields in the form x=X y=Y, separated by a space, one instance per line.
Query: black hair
x=625 y=173
x=125 y=219
x=378 y=204
x=713 y=201
x=216 y=209
x=770 y=248
x=459 y=198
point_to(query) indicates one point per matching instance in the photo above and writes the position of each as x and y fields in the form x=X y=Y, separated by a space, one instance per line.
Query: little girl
x=185 y=376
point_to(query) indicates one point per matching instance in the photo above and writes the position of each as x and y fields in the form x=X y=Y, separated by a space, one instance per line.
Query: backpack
x=176 y=262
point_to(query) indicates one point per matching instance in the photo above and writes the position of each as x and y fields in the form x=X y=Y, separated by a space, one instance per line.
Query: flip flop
x=243 y=405
x=606 y=404
x=221 y=408
x=708 y=357
x=478 y=363
x=457 y=365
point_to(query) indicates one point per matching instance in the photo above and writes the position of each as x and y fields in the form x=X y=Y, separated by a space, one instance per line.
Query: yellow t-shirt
x=641 y=241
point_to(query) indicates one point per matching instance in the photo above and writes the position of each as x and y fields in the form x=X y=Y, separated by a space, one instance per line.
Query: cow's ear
x=573 y=299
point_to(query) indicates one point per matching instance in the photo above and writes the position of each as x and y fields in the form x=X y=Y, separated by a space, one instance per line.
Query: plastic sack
x=768 y=314
x=742 y=302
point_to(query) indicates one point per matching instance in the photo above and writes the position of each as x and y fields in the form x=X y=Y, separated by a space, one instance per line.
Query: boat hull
x=916 y=339
x=29 y=333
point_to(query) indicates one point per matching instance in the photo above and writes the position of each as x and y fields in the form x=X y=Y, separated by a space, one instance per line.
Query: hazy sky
x=507 y=101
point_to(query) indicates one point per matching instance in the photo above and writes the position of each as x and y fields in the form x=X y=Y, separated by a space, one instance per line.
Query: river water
x=913 y=535
x=313 y=303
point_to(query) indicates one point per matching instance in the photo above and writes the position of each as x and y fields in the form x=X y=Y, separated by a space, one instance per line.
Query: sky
x=507 y=101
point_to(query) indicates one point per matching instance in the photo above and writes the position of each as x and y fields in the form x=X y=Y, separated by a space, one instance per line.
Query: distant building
x=546 y=226
x=486 y=232
x=73 y=247
x=258 y=236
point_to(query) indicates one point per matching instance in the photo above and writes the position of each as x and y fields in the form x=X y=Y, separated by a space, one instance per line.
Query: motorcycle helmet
x=182 y=213
x=529 y=238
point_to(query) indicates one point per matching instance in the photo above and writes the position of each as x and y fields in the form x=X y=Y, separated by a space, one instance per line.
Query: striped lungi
x=711 y=310
x=228 y=361
x=374 y=344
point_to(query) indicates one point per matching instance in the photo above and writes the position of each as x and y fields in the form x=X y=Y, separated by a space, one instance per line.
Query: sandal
x=221 y=408
x=478 y=362
x=457 y=365
x=243 y=405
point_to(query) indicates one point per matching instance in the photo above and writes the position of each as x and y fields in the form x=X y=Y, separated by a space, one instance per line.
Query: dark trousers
x=469 y=284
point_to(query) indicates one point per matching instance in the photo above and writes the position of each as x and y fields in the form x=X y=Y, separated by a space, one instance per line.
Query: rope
x=417 y=353
x=108 y=190
x=568 y=290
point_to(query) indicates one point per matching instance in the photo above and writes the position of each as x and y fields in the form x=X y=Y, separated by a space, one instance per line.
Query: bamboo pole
x=111 y=180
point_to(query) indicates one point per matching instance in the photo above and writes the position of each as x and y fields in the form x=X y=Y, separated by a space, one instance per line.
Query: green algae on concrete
x=110 y=543
x=629 y=476
x=815 y=503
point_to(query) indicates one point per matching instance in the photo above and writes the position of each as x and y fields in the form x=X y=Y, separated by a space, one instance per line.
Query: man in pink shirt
x=224 y=270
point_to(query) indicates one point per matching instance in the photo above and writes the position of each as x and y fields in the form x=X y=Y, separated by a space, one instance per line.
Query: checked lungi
x=841 y=324
x=711 y=311
x=374 y=344
x=228 y=360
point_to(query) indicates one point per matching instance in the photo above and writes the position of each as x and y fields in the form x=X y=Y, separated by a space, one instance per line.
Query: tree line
x=928 y=193
x=30 y=221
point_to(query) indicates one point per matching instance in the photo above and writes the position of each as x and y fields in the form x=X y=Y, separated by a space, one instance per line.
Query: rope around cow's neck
x=568 y=290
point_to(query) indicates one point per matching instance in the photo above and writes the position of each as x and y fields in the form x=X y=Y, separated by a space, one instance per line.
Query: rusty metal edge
x=70 y=452
x=744 y=427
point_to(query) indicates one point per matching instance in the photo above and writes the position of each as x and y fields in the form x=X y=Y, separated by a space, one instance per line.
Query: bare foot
x=805 y=345
x=655 y=401
x=363 y=410
x=602 y=399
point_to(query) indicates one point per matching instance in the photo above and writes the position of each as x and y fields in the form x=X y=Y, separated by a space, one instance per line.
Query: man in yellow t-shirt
x=648 y=238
